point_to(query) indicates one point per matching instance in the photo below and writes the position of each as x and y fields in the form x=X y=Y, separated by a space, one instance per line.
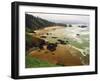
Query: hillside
x=34 y=23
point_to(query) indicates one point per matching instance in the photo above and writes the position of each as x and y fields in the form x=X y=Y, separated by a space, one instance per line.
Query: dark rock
x=51 y=46
x=61 y=41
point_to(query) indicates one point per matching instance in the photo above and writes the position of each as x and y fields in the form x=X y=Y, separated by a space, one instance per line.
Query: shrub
x=28 y=41
x=35 y=62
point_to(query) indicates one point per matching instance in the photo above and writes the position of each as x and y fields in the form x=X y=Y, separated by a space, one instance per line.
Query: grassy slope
x=34 y=62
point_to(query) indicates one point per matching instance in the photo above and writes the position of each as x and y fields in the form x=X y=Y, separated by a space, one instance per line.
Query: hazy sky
x=64 y=18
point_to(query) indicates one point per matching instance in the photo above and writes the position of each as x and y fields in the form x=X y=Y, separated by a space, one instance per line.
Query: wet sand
x=63 y=55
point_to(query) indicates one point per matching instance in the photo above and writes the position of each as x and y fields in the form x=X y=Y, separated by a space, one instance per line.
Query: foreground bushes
x=35 y=62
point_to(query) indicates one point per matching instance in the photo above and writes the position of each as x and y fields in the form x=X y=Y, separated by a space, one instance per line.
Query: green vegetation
x=28 y=41
x=29 y=30
x=34 y=23
x=34 y=62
